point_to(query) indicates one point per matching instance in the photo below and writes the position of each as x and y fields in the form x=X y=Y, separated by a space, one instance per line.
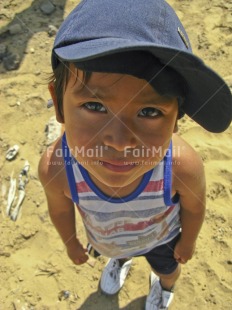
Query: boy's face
x=117 y=126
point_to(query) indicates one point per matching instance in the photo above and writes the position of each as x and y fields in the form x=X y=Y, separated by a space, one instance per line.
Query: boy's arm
x=62 y=214
x=61 y=208
x=190 y=185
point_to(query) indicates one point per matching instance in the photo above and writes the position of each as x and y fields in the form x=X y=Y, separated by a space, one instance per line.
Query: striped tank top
x=128 y=226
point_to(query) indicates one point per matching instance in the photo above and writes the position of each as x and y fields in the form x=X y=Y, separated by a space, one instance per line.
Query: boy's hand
x=77 y=253
x=183 y=252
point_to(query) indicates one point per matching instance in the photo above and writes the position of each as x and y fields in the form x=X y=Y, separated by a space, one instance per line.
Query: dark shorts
x=162 y=258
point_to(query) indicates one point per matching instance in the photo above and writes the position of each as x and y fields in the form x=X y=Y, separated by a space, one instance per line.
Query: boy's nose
x=120 y=135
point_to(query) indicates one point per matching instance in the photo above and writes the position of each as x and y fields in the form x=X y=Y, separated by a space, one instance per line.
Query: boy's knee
x=173 y=274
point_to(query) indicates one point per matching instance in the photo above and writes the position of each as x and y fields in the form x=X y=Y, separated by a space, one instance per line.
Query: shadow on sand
x=98 y=300
x=41 y=16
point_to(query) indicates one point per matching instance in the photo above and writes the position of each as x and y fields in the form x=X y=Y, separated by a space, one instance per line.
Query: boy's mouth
x=118 y=166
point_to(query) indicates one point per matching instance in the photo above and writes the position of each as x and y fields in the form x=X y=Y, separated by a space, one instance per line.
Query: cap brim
x=208 y=100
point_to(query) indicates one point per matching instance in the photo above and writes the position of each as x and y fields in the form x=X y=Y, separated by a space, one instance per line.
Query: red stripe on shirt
x=154 y=186
x=82 y=187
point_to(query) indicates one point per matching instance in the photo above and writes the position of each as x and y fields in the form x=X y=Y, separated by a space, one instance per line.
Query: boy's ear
x=175 y=130
x=51 y=89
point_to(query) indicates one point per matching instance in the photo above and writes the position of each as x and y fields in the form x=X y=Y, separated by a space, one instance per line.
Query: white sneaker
x=113 y=276
x=158 y=299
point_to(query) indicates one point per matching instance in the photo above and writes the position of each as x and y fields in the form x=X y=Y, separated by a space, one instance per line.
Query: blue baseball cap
x=99 y=28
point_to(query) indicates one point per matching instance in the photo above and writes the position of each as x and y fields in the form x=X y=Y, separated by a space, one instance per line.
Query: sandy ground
x=35 y=270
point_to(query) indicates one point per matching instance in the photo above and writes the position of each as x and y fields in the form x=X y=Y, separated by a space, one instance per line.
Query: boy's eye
x=95 y=106
x=149 y=112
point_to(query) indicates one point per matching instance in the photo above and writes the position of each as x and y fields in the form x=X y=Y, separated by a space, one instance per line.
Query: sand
x=35 y=270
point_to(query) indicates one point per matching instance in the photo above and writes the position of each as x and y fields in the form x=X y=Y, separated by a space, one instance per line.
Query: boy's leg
x=167 y=271
x=167 y=281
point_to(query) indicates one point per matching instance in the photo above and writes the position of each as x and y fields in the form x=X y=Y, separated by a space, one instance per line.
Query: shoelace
x=115 y=270
x=158 y=293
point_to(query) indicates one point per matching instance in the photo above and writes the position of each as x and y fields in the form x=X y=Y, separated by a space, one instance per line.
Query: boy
x=124 y=74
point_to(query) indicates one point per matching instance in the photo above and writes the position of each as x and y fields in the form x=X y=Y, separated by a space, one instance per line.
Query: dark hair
x=165 y=80
x=60 y=79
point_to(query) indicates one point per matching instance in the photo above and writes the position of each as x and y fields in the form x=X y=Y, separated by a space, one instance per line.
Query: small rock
x=50 y=103
x=95 y=278
x=52 y=30
x=11 y=62
x=63 y=295
x=12 y=152
x=47 y=7
x=12 y=104
x=91 y=262
x=32 y=50
x=14 y=29
x=6 y=254
x=27 y=233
